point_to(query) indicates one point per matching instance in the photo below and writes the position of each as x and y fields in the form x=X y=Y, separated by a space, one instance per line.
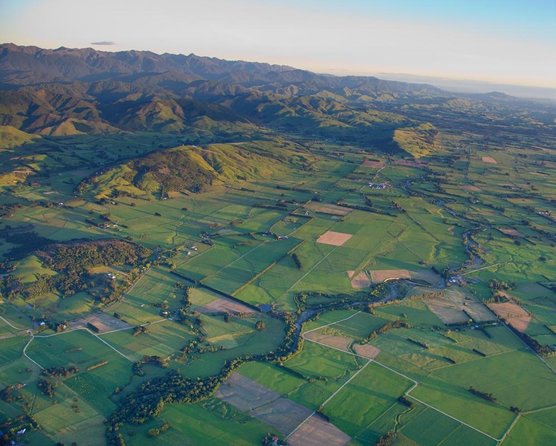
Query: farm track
x=413 y=387
x=11 y=325
x=69 y=331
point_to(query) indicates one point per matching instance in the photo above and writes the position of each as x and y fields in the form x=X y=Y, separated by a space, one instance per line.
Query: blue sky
x=511 y=41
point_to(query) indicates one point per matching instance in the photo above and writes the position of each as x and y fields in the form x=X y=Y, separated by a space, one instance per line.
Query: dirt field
x=223 y=305
x=408 y=163
x=488 y=160
x=367 y=350
x=341 y=342
x=333 y=238
x=316 y=431
x=470 y=188
x=380 y=275
x=513 y=314
x=330 y=209
x=373 y=164
x=261 y=403
x=360 y=281
x=104 y=322
x=456 y=308
x=510 y=231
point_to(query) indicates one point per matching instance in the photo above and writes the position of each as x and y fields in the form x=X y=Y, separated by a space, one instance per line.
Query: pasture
x=284 y=244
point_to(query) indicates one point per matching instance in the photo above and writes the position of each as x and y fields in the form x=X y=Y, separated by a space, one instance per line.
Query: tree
x=260 y=325
x=297 y=261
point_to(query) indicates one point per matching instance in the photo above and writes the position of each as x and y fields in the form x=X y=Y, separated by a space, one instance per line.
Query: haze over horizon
x=498 y=43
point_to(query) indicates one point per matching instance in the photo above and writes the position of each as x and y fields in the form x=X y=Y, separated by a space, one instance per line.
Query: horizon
x=501 y=43
x=454 y=85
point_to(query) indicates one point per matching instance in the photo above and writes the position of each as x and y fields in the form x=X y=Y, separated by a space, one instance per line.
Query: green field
x=235 y=263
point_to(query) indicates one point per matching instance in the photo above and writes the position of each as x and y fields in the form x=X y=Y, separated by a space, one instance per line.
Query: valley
x=251 y=254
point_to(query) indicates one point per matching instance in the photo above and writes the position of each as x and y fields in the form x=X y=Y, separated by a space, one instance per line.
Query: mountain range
x=67 y=91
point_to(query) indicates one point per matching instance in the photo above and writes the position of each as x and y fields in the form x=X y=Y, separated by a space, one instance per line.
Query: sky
x=499 y=41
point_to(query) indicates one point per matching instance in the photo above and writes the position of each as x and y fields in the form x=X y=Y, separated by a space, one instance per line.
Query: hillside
x=66 y=92
x=28 y=65
x=192 y=169
x=11 y=137
x=418 y=141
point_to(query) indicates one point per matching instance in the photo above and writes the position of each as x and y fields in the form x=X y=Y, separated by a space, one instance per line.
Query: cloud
x=104 y=42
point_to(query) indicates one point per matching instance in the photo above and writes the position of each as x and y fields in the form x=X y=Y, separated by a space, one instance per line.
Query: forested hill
x=66 y=92
x=29 y=65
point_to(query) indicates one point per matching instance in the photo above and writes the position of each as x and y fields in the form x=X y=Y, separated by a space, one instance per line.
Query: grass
x=260 y=270
x=11 y=137
x=537 y=429
x=28 y=269
x=371 y=393
x=237 y=338
x=516 y=379
x=201 y=424
x=459 y=403
x=324 y=370
x=162 y=339
x=84 y=350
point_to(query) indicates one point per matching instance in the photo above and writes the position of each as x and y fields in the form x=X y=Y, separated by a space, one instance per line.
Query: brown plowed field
x=316 y=431
x=333 y=238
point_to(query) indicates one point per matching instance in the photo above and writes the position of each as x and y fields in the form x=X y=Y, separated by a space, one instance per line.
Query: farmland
x=193 y=288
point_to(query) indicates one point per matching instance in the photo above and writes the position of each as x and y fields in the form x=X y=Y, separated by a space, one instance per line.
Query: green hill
x=11 y=137
x=192 y=169
x=418 y=141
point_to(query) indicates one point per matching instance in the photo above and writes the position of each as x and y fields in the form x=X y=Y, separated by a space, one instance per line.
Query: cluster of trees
x=154 y=360
x=175 y=170
x=183 y=311
x=479 y=352
x=386 y=439
x=10 y=287
x=60 y=372
x=71 y=262
x=389 y=325
x=273 y=440
x=85 y=254
x=140 y=329
x=46 y=386
x=260 y=325
x=41 y=286
x=10 y=427
x=533 y=344
x=156 y=431
x=11 y=393
x=318 y=300
x=497 y=287
x=57 y=326
x=406 y=402
x=8 y=210
x=297 y=261
x=189 y=348
x=150 y=398
x=419 y=343
x=484 y=395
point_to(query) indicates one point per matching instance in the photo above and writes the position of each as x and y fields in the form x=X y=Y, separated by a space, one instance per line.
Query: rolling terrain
x=206 y=252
